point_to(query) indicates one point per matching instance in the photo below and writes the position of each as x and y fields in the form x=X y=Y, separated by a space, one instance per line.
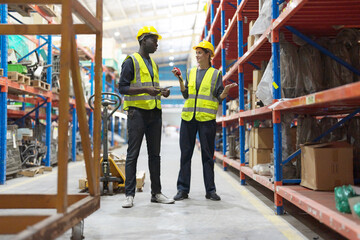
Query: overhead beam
x=175 y=63
x=136 y=43
x=128 y=21
x=167 y=54
x=86 y=16
x=41 y=29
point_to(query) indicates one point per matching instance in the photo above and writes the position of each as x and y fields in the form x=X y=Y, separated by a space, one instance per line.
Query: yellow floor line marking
x=284 y=227
x=27 y=181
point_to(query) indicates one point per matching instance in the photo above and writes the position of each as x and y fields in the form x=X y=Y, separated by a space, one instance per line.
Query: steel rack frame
x=70 y=209
x=304 y=17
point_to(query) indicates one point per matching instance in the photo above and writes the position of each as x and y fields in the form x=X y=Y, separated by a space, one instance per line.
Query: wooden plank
x=31 y=172
x=41 y=201
x=14 y=224
x=82 y=116
x=62 y=202
x=41 y=29
x=83 y=14
x=57 y=224
x=97 y=103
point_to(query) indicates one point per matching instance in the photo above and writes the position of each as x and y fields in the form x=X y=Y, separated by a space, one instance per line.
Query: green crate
x=17 y=68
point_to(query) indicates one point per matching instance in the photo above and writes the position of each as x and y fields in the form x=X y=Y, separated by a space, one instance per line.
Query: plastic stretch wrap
x=264 y=19
x=262 y=169
x=264 y=91
x=311 y=71
x=354 y=139
x=346 y=47
x=337 y=135
x=289 y=68
x=289 y=170
x=342 y=194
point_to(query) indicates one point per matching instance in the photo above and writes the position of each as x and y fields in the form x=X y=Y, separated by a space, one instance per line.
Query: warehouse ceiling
x=180 y=22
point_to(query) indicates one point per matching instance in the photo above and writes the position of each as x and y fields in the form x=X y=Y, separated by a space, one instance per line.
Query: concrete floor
x=243 y=212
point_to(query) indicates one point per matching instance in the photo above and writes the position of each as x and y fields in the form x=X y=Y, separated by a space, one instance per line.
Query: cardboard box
x=259 y=156
x=263 y=138
x=257 y=75
x=254 y=100
x=83 y=183
x=325 y=166
x=252 y=138
x=250 y=41
x=251 y=157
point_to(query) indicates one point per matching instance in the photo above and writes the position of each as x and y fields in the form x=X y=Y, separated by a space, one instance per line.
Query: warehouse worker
x=203 y=91
x=139 y=82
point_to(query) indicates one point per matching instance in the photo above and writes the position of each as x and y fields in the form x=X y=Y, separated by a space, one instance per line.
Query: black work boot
x=180 y=196
x=213 y=196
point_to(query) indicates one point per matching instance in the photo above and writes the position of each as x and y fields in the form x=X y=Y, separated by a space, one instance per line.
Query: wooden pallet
x=31 y=172
x=40 y=84
x=23 y=9
x=17 y=77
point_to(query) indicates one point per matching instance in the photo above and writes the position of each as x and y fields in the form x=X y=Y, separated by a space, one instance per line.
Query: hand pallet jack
x=111 y=176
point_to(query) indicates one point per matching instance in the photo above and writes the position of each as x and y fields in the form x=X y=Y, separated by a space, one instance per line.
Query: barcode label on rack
x=22 y=87
x=310 y=99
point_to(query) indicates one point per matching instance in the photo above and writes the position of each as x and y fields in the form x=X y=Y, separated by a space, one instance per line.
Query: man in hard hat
x=139 y=82
x=203 y=92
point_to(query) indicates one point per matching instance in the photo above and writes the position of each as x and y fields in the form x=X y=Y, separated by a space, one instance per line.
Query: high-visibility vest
x=203 y=103
x=142 y=78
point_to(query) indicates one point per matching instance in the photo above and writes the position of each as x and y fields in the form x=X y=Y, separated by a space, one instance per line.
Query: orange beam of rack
x=321 y=205
x=263 y=180
x=31 y=1
x=231 y=162
x=41 y=29
x=22 y=88
x=343 y=96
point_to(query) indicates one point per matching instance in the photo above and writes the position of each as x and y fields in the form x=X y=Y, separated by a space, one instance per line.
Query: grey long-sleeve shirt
x=199 y=77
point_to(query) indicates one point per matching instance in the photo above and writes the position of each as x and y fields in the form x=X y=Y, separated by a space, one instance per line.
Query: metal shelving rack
x=70 y=209
x=300 y=17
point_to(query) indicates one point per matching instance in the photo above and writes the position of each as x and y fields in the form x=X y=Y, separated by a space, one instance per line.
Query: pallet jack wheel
x=110 y=188
x=101 y=188
x=78 y=231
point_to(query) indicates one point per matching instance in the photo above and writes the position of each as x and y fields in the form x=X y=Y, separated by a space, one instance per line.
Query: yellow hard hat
x=206 y=45
x=147 y=30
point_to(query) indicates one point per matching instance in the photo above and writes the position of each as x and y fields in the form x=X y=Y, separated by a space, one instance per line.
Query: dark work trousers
x=142 y=122
x=207 y=131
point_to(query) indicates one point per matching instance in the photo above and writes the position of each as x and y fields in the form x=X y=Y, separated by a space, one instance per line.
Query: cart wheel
x=111 y=188
x=78 y=231
x=101 y=188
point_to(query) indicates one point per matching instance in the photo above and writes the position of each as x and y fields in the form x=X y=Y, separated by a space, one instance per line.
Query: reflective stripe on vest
x=204 y=101
x=142 y=78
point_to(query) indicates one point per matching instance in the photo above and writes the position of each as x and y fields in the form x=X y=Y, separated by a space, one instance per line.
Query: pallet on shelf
x=40 y=84
x=31 y=172
x=17 y=77
x=23 y=9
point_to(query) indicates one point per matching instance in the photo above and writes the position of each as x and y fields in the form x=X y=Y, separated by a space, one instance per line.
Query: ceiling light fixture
x=116 y=34
x=171 y=64
x=123 y=45
x=171 y=50
x=171 y=58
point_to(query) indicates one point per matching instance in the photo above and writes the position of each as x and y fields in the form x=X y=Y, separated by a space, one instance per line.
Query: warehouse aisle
x=239 y=215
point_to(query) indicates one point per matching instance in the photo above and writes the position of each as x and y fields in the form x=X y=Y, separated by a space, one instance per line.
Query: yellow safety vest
x=142 y=78
x=204 y=101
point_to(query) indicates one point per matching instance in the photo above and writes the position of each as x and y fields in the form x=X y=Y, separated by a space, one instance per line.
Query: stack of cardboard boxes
x=261 y=144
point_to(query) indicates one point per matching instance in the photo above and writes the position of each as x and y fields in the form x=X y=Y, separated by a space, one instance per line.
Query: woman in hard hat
x=203 y=91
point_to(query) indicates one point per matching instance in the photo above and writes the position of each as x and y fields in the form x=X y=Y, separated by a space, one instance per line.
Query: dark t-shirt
x=127 y=73
x=199 y=77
